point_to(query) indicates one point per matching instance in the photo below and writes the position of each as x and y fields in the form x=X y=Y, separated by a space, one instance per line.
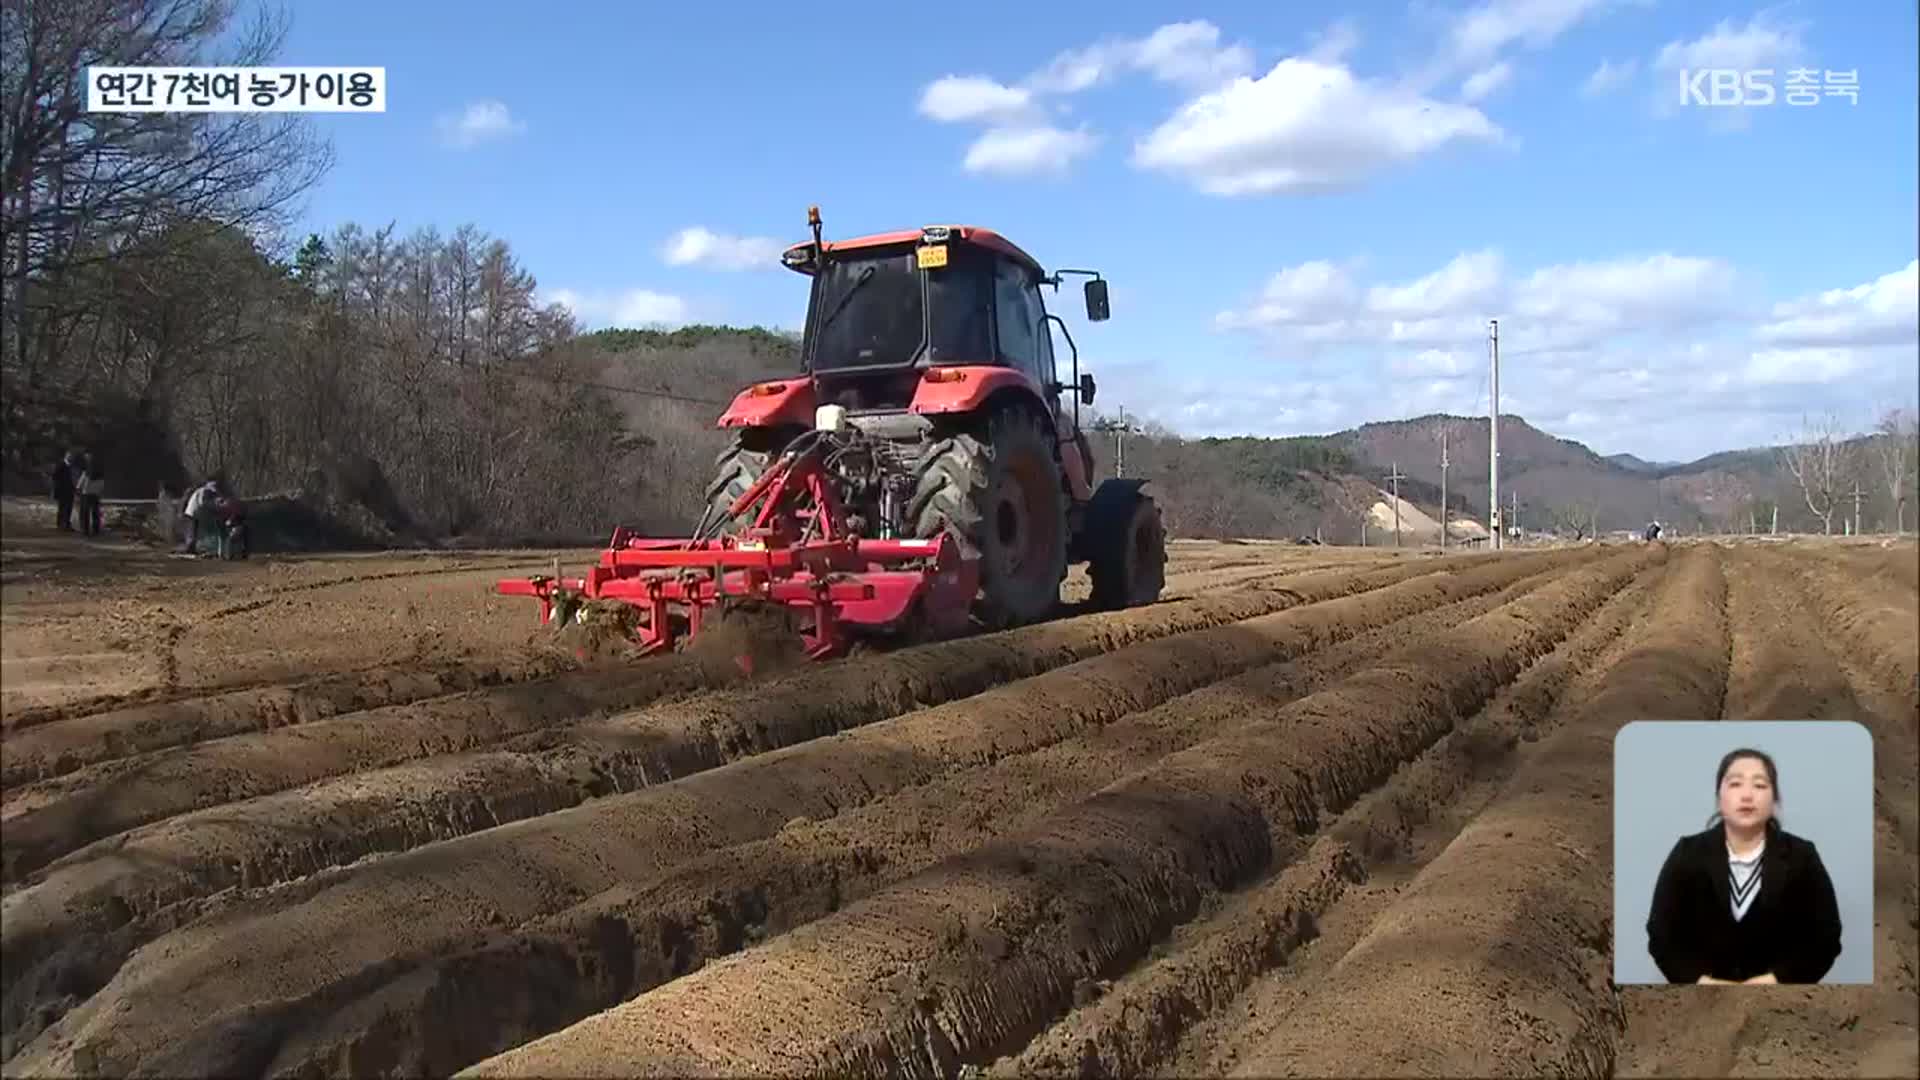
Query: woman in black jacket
x=1745 y=901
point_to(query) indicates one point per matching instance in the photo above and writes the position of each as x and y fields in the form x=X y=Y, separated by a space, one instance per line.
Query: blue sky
x=1307 y=212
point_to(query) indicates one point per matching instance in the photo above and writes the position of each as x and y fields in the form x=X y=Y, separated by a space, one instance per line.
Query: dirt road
x=1250 y=829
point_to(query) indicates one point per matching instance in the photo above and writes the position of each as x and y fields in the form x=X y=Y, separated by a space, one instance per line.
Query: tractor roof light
x=936 y=234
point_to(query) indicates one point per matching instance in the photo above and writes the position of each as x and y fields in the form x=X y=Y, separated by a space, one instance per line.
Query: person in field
x=63 y=477
x=199 y=511
x=1744 y=902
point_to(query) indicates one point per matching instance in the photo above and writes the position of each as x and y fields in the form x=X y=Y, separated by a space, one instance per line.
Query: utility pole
x=1443 y=489
x=1774 y=529
x=1514 y=498
x=1395 y=477
x=1121 y=428
x=1493 y=437
x=1856 y=508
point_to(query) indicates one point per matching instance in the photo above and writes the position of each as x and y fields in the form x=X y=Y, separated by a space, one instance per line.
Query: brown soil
x=1186 y=996
x=630 y=938
x=1512 y=921
x=1783 y=670
x=371 y=918
x=277 y=837
x=57 y=745
x=967 y=961
x=1318 y=812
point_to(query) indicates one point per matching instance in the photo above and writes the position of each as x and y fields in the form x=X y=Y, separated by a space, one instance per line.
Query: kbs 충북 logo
x=236 y=89
x=1749 y=87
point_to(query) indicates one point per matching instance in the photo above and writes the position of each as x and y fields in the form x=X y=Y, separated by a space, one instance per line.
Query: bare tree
x=1821 y=460
x=1897 y=451
x=1571 y=518
x=76 y=186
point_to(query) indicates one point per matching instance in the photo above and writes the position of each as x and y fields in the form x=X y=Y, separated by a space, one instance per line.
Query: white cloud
x=1332 y=44
x=1189 y=54
x=1482 y=84
x=1019 y=142
x=1554 y=308
x=1439 y=365
x=1884 y=311
x=970 y=98
x=626 y=308
x=482 y=121
x=1762 y=42
x=1482 y=32
x=1468 y=284
x=1027 y=151
x=1583 y=301
x=1476 y=39
x=1609 y=77
x=1801 y=366
x=700 y=246
x=1304 y=126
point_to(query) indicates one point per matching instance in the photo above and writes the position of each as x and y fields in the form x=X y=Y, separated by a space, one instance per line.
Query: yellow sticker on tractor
x=932 y=256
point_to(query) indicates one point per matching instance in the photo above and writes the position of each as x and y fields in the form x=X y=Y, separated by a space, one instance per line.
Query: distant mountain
x=1628 y=461
x=1560 y=479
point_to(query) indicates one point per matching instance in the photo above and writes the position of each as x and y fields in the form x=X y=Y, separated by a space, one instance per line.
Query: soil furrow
x=1875 y=624
x=51 y=818
x=1783 y=670
x=48 y=819
x=63 y=746
x=287 y=835
x=1136 y=1027
x=966 y=961
x=1497 y=961
x=631 y=938
x=355 y=927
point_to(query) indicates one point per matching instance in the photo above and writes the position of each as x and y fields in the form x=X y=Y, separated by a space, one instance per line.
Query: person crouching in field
x=200 y=515
x=1744 y=902
x=231 y=512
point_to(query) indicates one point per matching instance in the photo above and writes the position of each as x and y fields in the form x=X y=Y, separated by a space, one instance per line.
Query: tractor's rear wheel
x=1129 y=552
x=738 y=468
x=1002 y=498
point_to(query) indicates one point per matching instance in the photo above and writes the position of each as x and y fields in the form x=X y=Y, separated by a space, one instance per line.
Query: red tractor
x=919 y=474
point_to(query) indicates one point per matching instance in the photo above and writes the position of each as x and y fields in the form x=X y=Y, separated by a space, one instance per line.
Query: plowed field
x=1318 y=812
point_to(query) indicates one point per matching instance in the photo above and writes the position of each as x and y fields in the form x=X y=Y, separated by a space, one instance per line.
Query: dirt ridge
x=48 y=819
x=373 y=918
x=630 y=938
x=1136 y=1027
x=64 y=745
x=1514 y=916
x=287 y=835
x=965 y=962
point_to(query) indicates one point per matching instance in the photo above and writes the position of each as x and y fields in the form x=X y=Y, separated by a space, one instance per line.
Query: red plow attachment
x=796 y=554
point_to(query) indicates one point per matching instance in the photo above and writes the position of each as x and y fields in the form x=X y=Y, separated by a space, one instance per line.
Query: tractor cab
x=887 y=312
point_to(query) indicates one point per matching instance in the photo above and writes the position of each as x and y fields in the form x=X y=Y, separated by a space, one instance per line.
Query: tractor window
x=961 y=295
x=865 y=312
x=1017 y=317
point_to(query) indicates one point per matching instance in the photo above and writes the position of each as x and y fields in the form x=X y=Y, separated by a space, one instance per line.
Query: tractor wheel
x=738 y=468
x=1002 y=498
x=1128 y=548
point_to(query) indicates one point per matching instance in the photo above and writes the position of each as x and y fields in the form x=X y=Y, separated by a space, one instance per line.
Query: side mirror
x=1086 y=389
x=1097 y=310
